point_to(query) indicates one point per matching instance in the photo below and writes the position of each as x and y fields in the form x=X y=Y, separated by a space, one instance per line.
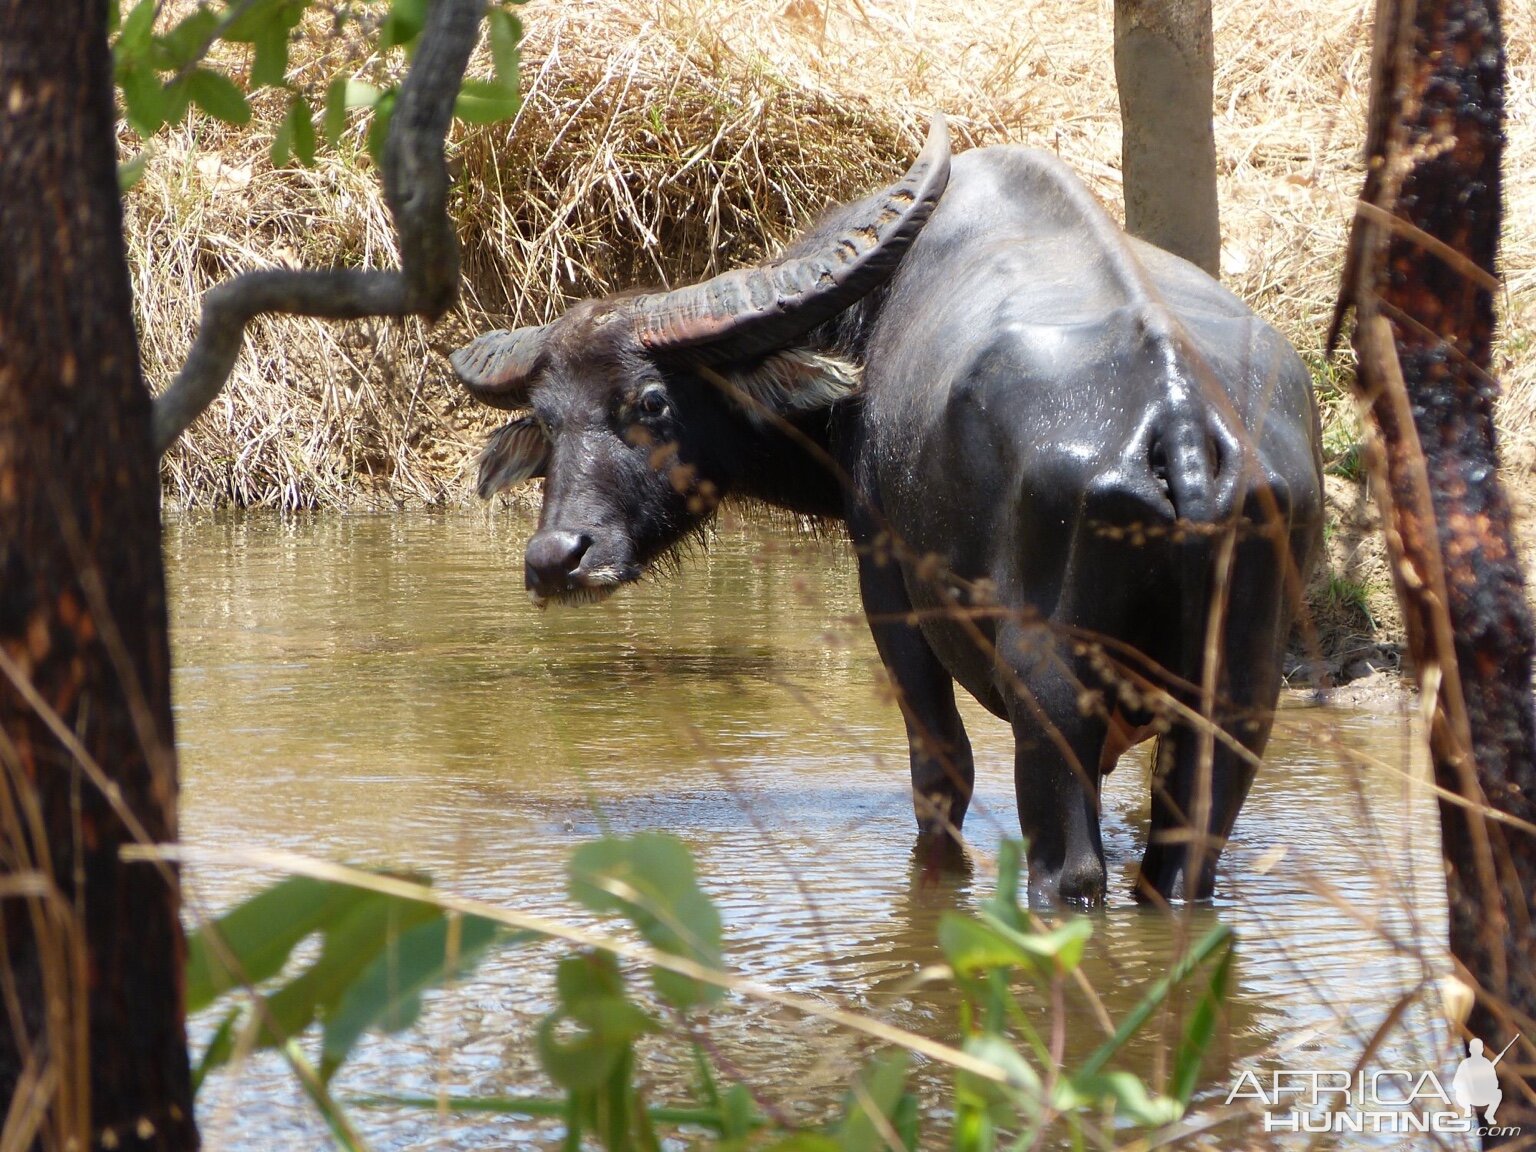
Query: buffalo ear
x=793 y=380
x=515 y=452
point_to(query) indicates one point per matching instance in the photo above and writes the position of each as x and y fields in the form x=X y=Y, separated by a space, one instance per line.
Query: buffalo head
x=641 y=411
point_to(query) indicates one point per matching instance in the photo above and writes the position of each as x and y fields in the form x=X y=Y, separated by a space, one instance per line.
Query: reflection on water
x=379 y=690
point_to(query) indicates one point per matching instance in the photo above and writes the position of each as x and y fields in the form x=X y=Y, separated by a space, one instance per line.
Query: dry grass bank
x=642 y=155
x=665 y=139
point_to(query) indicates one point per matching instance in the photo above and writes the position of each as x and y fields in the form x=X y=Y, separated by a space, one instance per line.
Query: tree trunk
x=92 y=1029
x=1421 y=280
x=1164 y=66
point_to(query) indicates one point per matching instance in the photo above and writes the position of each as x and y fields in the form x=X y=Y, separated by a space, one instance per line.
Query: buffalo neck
x=796 y=462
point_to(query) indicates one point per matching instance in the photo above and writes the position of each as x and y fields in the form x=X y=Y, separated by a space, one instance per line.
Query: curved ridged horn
x=747 y=312
x=495 y=367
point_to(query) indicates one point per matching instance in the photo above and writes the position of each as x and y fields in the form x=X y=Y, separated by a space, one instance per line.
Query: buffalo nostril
x=553 y=557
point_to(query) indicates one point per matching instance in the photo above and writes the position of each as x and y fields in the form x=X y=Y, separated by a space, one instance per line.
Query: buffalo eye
x=652 y=403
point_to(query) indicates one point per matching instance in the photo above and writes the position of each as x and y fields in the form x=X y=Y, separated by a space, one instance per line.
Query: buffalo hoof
x=1165 y=882
x=939 y=854
x=1077 y=884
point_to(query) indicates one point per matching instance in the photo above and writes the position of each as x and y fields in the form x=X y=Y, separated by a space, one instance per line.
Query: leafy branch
x=162 y=75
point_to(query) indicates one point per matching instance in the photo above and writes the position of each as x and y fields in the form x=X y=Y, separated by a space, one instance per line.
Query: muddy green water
x=378 y=689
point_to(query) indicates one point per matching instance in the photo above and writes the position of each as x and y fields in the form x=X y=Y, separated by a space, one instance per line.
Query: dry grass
x=664 y=139
x=644 y=155
x=640 y=157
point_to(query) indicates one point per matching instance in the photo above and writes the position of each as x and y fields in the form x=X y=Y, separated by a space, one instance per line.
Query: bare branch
x=416 y=189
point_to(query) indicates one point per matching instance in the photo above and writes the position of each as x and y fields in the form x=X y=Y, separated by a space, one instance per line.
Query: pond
x=379 y=690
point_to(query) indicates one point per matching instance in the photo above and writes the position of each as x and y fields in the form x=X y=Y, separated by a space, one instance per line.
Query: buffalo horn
x=747 y=312
x=495 y=367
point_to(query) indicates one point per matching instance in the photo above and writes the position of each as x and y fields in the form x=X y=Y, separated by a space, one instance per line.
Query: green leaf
x=217 y=95
x=884 y=1085
x=361 y=94
x=650 y=879
x=1120 y=1091
x=481 y=102
x=282 y=143
x=259 y=935
x=1021 y=1075
x=1065 y=943
x=258 y=18
x=738 y=1113
x=506 y=34
x=403 y=24
x=983 y=1106
x=186 y=42
x=220 y=1047
x=1003 y=905
x=299 y=129
x=707 y=1091
x=303 y=129
x=806 y=1142
x=363 y=931
x=907 y=1120
x=342 y=94
x=972 y=946
x=1199 y=1031
x=335 y=110
x=137 y=32
x=1217 y=937
x=977 y=944
x=269 y=63
x=582 y=1042
x=378 y=954
x=144 y=100
x=130 y=172
x=378 y=131
x=178 y=97
x=387 y=994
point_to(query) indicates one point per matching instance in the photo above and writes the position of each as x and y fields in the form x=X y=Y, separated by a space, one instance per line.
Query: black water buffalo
x=1082 y=480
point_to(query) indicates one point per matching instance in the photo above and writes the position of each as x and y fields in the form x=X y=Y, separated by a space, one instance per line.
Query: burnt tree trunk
x=1421 y=279
x=1164 y=74
x=92 y=1034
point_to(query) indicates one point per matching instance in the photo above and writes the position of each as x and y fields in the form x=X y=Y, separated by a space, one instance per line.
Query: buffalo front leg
x=943 y=772
x=1058 y=747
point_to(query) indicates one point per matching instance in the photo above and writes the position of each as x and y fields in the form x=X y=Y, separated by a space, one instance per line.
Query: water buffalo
x=1082 y=479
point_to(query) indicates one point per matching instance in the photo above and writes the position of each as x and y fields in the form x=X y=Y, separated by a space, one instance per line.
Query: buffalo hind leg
x=1199 y=784
x=1194 y=810
x=1058 y=747
x=943 y=772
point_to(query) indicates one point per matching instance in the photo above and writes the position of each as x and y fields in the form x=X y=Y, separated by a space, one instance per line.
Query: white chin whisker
x=592 y=586
x=592 y=592
x=608 y=576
